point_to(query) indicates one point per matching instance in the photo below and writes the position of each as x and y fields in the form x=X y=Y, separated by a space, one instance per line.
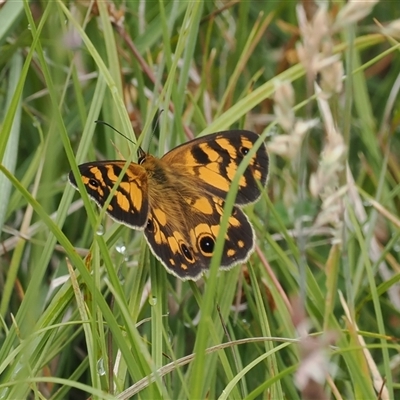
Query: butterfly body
x=179 y=199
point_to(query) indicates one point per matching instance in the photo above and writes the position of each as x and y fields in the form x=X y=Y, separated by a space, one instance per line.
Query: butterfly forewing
x=129 y=205
x=214 y=160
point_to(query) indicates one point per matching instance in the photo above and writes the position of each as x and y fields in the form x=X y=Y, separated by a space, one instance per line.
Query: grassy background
x=87 y=311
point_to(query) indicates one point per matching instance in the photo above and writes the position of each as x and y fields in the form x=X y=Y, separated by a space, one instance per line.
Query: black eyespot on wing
x=94 y=183
x=187 y=253
x=206 y=244
x=150 y=225
x=244 y=150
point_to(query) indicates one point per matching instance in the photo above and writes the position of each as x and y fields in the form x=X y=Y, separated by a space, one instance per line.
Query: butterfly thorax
x=170 y=190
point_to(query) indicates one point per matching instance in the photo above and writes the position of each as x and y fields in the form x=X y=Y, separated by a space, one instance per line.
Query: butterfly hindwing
x=186 y=250
x=130 y=204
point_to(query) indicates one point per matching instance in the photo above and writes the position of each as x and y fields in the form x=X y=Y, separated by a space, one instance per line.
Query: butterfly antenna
x=157 y=123
x=114 y=129
x=158 y=120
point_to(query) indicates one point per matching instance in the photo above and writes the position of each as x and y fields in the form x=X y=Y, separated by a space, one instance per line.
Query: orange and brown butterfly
x=178 y=200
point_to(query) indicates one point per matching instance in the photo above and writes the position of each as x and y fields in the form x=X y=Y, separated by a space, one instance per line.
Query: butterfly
x=178 y=199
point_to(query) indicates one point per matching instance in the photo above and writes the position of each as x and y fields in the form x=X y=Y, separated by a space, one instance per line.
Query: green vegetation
x=85 y=308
